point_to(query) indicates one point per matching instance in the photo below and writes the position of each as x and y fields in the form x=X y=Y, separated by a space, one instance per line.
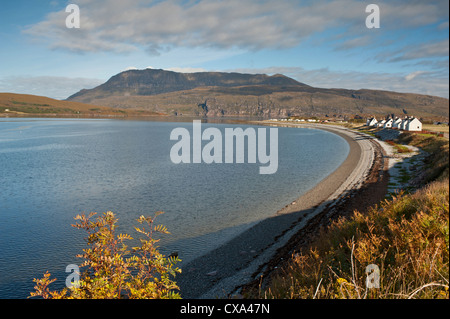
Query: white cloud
x=214 y=28
x=435 y=49
x=443 y=25
x=401 y=14
x=413 y=75
x=130 y=68
x=127 y=25
x=420 y=82
x=430 y=49
x=355 y=42
x=186 y=69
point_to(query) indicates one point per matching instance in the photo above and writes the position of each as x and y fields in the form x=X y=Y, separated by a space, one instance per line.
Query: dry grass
x=436 y=128
x=25 y=104
x=406 y=237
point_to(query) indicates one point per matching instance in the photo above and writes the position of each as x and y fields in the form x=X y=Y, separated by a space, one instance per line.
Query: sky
x=322 y=43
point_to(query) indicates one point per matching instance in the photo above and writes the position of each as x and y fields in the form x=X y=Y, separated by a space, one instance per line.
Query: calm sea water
x=52 y=170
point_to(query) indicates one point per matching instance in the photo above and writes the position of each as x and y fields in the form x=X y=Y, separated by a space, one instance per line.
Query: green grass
x=370 y=132
x=398 y=147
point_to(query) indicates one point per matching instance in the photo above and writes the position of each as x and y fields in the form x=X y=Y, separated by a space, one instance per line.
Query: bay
x=53 y=169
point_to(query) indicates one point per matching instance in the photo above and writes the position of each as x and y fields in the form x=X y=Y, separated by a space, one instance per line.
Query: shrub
x=112 y=270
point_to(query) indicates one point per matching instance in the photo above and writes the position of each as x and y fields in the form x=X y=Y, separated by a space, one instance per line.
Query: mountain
x=235 y=94
x=153 y=82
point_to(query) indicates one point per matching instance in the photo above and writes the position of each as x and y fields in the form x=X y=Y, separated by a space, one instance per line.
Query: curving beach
x=246 y=257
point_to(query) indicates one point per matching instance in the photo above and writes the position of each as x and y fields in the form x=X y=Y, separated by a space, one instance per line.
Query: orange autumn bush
x=112 y=270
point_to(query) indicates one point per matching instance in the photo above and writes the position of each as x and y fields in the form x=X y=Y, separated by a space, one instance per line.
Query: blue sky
x=322 y=43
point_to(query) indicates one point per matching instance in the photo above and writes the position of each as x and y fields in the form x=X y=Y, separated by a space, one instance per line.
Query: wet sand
x=219 y=272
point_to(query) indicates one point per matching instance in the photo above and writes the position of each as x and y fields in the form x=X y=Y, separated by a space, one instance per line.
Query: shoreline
x=253 y=253
x=259 y=250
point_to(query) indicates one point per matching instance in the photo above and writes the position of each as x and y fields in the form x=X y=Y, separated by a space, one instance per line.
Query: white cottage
x=381 y=123
x=396 y=124
x=404 y=123
x=388 y=123
x=414 y=125
x=371 y=122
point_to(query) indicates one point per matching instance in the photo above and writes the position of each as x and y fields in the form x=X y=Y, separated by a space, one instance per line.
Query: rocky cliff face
x=234 y=94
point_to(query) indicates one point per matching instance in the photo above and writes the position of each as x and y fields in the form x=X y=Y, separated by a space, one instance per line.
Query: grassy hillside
x=25 y=105
x=406 y=237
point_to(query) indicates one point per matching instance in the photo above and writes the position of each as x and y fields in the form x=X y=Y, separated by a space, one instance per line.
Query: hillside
x=12 y=104
x=215 y=94
x=405 y=236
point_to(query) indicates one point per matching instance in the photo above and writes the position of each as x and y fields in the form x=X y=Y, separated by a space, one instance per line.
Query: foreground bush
x=112 y=270
x=406 y=237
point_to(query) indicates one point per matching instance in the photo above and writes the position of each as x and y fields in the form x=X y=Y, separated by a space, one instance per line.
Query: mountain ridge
x=158 y=81
x=213 y=94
